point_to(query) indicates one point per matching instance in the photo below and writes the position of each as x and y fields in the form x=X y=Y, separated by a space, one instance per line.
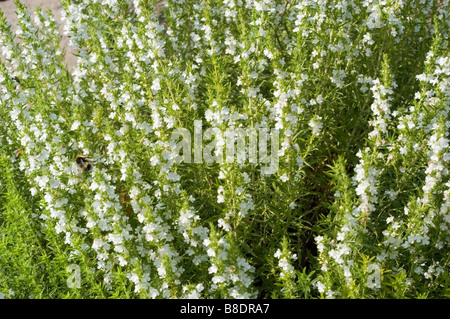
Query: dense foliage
x=357 y=91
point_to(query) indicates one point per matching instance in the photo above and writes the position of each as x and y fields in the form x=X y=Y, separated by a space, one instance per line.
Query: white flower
x=389 y=220
x=374 y=19
x=316 y=125
x=213 y=269
x=75 y=125
x=218 y=279
x=286 y=267
x=277 y=254
x=320 y=286
x=172 y=176
x=155 y=85
x=223 y=224
x=33 y=191
x=211 y=252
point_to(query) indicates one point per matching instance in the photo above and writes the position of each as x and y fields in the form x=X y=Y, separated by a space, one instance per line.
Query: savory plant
x=351 y=99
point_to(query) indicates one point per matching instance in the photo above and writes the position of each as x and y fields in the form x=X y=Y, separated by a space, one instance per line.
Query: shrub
x=353 y=201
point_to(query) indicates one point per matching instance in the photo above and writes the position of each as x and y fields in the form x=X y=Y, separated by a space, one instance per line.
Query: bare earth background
x=8 y=7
